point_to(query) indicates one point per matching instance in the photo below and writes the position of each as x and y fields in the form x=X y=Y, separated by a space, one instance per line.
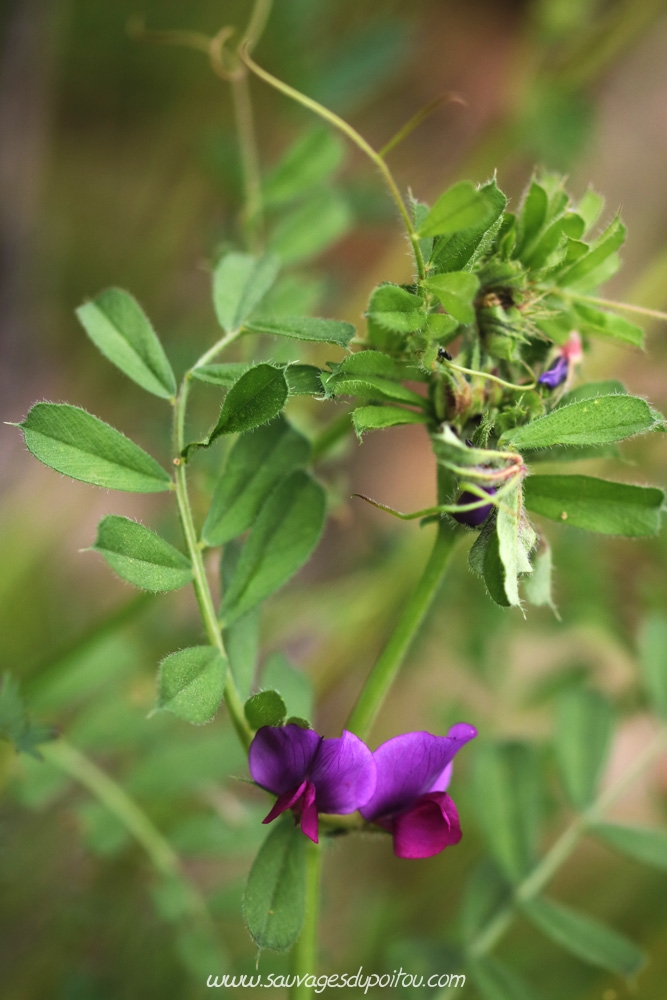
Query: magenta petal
x=280 y=757
x=411 y=765
x=431 y=825
x=285 y=801
x=344 y=774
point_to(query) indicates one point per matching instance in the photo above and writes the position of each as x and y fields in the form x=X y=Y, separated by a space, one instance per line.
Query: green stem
x=163 y=857
x=200 y=580
x=489 y=936
x=387 y=666
x=304 y=955
x=354 y=136
x=611 y=304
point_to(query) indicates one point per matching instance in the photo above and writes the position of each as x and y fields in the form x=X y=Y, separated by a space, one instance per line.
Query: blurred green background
x=118 y=165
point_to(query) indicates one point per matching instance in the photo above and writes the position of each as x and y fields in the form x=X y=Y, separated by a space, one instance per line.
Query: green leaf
x=341 y=383
x=456 y=291
x=304 y=380
x=74 y=442
x=537 y=585
x=486 y=552
x=375 y=363
x=255 y=465
x=591 y=421
x=394 y=308
x=590 y=208
x=274 y=897
x=307 y=162
x=256 y=398
x=318 y=331
x=266 y=708
x=140 y=556
x=507 y=783
x=596 y=504
x=532 y=217
x=592 y=389
x=486 y=893
x=516 y=539
x=584 y=937
x=461 y=207
x=653 y=661
x=292 y=684
x=118 y=326
x=647 y=846
x=583 y=272
x=191 y=683
x=605 y=324
x=242 y=638
x=225 y=374
x=461 y=250
x=15 y=723
x=312 y=226
x=496 y=981
x=282 y=538
x=375 y=418
x=584 y=727
x=239 y=285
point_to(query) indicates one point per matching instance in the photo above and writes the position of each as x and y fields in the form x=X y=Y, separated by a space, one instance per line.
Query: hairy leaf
x=74 y=442
x=191 y=683
x=274 y=897
x=240 y=282
x=140 y=556
x=118 y=326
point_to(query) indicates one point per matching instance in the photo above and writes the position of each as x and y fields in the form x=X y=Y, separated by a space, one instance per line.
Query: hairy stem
x=304 y=955
x=532 y=885
x=356 y=138
x=386 y=668
x=110 y=794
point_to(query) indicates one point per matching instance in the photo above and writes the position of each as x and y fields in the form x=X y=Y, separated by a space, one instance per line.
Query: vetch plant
x=482 y=346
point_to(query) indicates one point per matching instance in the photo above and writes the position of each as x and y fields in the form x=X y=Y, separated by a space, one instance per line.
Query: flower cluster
x=559 y=370
x=401 y=787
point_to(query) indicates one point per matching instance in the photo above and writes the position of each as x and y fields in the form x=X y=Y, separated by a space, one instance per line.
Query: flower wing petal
x=281 y=756
x=344 y=774
x=431 y=825
x=412 y=765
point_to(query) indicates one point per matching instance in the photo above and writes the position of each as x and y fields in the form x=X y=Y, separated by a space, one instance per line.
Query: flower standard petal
x=280 y=757
x=344 y=774
x=463 y=732
x=431 y=825
x=411 y=765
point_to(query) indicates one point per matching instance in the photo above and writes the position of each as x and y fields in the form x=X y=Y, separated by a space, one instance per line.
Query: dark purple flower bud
x=410 y=800
x=556 y=373
x=478 y=515
x=311 y=775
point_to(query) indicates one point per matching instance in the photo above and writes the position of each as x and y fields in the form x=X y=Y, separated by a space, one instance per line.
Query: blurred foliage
x=119 y=165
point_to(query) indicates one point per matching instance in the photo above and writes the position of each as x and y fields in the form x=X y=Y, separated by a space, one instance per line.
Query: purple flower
x=556 y=373
x=473 y=518
x=410 y=800
x=311 y=775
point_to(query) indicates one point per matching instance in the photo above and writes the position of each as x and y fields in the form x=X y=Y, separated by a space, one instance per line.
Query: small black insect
x=443 y=354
